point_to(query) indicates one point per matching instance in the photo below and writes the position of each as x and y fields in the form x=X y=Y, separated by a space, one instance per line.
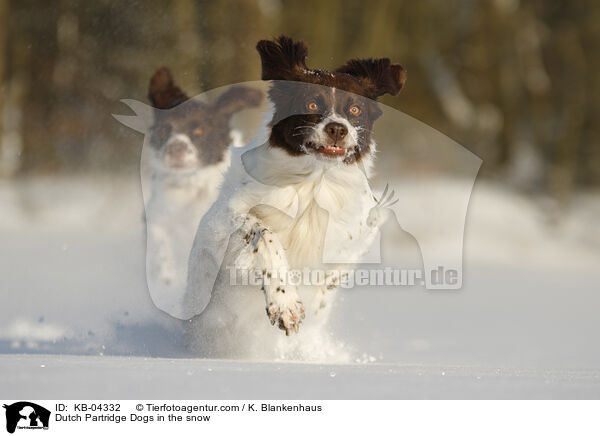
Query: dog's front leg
x=162 y=254
x=263 y=251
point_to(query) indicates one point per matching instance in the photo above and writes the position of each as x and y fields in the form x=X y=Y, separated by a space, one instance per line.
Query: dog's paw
x=287 y=316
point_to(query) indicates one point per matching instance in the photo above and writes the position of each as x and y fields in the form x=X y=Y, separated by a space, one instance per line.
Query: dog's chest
x=329 y=224
x=177 y=202
x=185 y=196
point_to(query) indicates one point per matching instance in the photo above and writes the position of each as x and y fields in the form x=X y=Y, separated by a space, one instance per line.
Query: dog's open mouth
x=328 y=150
x=176 y=164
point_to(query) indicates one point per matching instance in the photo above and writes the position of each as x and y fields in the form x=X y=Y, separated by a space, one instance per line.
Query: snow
x=74 y=299
x=143 y=378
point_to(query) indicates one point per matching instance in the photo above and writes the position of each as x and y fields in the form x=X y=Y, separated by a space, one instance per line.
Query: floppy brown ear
x=282 y=59
x=380 y=75
x=237 y=98
x=163 y=93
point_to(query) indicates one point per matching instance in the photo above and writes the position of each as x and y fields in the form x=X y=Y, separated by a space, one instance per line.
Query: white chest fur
x=318 y=211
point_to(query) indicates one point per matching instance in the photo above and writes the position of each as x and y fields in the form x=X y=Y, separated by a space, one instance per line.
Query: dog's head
x=327 y=114
x=188 y=134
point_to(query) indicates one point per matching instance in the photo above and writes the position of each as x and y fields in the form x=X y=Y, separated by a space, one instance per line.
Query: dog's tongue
x=332 y=149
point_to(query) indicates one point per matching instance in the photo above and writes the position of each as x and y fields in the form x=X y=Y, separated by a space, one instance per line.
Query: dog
x=189 y=142
x=301 y=201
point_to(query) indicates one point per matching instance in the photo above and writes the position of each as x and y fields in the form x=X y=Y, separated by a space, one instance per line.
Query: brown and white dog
x=189 y=142
x=301 y=201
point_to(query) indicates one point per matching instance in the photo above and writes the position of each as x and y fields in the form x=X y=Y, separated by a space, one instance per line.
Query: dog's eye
x=197 y=131
x=312 y=106
x=354 y=110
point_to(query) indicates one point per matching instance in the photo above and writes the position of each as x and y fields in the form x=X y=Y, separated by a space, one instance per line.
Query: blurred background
x=515 y=82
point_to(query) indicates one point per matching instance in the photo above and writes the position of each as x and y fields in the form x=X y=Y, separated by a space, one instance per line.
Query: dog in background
x=190 y=151
x=290 y=204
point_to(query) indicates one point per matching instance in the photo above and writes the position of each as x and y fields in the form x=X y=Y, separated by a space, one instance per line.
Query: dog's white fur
x=178 y=200
x=276 y=212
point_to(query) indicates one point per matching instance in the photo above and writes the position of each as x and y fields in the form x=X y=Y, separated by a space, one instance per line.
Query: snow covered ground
x=110 y=377
x=76 y=319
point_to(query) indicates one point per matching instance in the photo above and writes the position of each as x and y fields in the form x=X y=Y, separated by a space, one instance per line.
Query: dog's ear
x=282 y=59
x=380 y=76
x=237 y=98
x=162 y=92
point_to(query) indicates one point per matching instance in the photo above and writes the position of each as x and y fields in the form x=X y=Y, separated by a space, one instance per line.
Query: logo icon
x=26 y=415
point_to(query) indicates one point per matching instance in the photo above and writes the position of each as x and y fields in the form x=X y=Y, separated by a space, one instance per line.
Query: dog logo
x=26 y=415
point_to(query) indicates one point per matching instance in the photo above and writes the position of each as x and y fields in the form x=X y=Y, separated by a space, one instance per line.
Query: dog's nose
x=336 y=131
x=177 y=148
